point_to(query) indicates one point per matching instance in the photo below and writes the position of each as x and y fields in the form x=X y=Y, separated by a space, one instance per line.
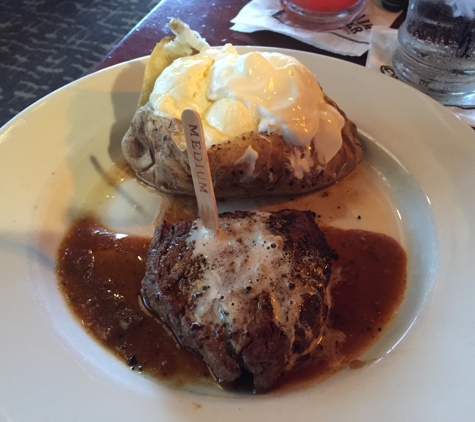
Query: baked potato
x=251 y=164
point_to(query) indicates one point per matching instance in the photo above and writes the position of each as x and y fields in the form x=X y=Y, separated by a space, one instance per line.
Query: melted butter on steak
x=246 y=259
x=252 y=298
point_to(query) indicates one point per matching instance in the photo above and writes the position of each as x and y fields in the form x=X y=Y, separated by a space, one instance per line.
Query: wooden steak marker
x=199 y=164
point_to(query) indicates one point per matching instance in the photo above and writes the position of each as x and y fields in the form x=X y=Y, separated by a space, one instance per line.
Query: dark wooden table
x=211 y=18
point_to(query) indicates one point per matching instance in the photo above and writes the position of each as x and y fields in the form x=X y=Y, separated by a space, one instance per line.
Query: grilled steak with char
x=251 y=299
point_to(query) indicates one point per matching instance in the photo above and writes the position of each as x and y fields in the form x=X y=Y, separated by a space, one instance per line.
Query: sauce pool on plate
x=100 y=273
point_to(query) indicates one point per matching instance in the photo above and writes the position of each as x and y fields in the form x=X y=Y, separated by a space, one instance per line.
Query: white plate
x=50 y=370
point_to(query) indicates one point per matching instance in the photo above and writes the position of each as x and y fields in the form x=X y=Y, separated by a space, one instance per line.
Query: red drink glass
x=323 y=15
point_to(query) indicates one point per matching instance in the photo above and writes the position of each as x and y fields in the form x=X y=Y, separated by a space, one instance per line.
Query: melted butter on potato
x=182 y=85
x=230 y=117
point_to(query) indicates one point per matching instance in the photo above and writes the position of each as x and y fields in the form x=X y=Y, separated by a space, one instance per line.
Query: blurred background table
x=211 y=18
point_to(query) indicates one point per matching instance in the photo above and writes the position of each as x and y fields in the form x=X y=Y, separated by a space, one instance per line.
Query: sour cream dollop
x=258 y=91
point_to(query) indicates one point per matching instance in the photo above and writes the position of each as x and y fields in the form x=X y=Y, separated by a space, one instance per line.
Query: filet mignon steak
x=252 y=298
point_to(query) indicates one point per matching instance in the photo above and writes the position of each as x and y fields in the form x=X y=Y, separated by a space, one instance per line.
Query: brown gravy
x=100 y=273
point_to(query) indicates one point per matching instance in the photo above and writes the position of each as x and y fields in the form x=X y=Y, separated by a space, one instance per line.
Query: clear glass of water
x=436 y=51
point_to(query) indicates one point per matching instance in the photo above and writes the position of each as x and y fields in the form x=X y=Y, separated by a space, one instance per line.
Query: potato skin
x=150 y=148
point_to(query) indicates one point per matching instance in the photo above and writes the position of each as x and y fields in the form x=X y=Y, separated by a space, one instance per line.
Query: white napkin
x=383 y=44
x=351 y=40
